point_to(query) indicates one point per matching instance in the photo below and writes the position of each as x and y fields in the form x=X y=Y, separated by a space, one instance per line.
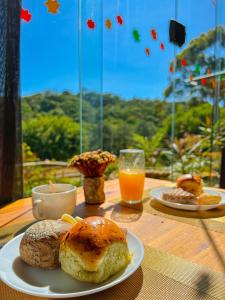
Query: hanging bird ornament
x=171 y=68
x=53 y=6
x=119 y=20
x=203 y=81
x=108 y=24
x=25 y=15
x=154 y=34
x=136 y=35
x=183 y=62
x=90 y=24
x=147 y=51
x=162 y=46
x=197 y=69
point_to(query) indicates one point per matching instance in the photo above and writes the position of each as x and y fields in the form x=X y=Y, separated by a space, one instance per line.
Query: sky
x=108 y=60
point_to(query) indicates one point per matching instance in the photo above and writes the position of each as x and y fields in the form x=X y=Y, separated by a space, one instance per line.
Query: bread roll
x=93 y=250
x=190 y=183
x=39 y=246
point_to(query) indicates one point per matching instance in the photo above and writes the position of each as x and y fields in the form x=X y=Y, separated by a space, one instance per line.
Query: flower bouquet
x=92 y=165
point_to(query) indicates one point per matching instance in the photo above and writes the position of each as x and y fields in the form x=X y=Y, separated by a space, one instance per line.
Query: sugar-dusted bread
x=93 y=250
x=179 y=196
x=190 y=183
x=39 y=246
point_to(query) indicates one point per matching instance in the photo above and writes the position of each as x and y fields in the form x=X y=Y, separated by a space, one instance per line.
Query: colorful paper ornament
x=90 y=24
x=183 y=62
x=209 y=71
x=108 y=24
x=25 y=15
x=171 y=68
x=53 y=6
x=197 y=69
x=190 y=77
x=136 y=35
x=147 y=51
x=162 y=46
x=154 y=34
x=119 y=20
x=203 y=81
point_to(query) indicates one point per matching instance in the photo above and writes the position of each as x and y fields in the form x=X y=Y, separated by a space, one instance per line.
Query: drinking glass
x=131 y=175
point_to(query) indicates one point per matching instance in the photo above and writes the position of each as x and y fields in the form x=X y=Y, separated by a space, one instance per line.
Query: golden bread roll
x=39 y=246
x=190 y=183
x=93 y=250
x=208 y=199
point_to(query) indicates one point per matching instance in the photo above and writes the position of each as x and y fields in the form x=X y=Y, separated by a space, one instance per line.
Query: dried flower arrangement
x=92 y=165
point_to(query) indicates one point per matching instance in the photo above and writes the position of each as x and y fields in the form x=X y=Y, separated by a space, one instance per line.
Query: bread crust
x=93 y=250
x=190 y=183
x=188 y=177
x=39 y=246
x=91 y=237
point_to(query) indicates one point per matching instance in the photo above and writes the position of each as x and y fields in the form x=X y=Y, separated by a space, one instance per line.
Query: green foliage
x=52 y=137
x=35 y=176
x=28 y=155
x=199 y=58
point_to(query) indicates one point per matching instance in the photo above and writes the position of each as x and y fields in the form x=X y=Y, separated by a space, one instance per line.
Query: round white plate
x=156 y=193
x=56 y=283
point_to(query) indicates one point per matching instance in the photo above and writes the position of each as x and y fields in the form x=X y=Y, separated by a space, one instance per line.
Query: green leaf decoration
x=136 y=35
x=197 y=69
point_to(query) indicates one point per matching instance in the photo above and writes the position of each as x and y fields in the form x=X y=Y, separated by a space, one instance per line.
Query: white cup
x=51 y=205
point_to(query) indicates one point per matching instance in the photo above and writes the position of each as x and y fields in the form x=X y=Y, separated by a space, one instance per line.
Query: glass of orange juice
x=131 y=175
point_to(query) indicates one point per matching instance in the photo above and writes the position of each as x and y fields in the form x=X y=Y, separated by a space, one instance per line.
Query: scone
x=39 y=246
x=179 y=196
x=93 y=250
x=208 y=199
x=190 y=183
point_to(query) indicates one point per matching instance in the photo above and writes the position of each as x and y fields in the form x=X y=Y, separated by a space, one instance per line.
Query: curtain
x=11 y=177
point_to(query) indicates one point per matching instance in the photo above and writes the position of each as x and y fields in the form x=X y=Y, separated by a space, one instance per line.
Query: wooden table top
x=193 y=243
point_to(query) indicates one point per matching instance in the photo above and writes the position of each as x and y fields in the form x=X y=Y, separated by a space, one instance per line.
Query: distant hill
x=51 y=122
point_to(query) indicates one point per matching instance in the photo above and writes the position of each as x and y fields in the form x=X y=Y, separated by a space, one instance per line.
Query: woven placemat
x=161 y=276
x=214 y=219
x=10 y=231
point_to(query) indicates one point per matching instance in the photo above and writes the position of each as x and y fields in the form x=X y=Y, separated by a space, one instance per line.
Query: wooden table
x=195 y=244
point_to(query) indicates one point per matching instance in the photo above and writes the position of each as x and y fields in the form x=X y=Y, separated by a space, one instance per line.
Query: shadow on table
x=120 y=212
x=58 y=281
x=214 y=213
x=126 y=213
x=214 y=245
x=199 y=216
x=206 y=282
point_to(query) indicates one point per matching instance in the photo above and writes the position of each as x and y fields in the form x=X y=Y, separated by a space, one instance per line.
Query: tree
x=200 y=60
x=52 y=137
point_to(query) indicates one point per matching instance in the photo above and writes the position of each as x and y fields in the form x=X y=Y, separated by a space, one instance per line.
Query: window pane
x=50 y=104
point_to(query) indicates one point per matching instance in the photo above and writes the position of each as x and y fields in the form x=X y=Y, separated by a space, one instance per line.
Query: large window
x=104 y=74
x=50 y=91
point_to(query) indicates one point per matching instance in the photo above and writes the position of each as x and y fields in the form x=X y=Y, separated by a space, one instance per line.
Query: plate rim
x=81 y=293
x=180 y=205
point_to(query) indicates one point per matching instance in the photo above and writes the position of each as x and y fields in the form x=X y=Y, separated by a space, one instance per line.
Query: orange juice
x=131 y=184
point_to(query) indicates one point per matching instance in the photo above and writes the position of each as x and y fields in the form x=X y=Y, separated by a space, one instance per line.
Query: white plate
x=56 y=283
x=156 y=193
